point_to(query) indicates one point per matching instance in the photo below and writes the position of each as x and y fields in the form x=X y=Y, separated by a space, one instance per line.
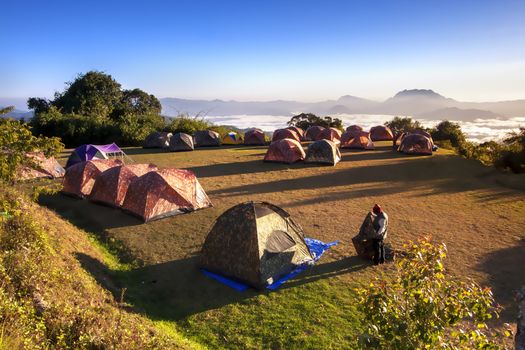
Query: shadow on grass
x=505 y=268
x=177 y=289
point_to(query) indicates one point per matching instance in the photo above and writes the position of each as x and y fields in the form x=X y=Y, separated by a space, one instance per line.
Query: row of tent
x=140 y=189
x=204 y=138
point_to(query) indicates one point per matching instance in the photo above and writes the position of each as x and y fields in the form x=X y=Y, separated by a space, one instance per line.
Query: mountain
x=18 y=114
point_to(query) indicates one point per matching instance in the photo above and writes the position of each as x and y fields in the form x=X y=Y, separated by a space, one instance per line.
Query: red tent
x=331 y=134
x=298 y=130
x=41 y=167
x=313 y=132
x=80 y=177
x=281 y=134
x=254 y=137
x=111 y=185
x=166 y=192
x=381 y=133
x=358 y=140
x=285 y=151
x=416 y=144
x=354 y=128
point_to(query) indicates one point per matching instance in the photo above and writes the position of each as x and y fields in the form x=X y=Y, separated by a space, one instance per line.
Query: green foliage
x=447 y=130
x=399 y=125
x=6 y=110
x=305 y=120
x=137 y=102
x=424 y=308
x=513 y=156
x=16 y=139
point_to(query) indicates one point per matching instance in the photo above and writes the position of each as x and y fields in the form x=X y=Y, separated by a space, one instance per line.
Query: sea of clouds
x=479 y=130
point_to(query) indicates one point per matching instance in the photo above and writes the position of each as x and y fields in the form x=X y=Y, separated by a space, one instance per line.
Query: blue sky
x=248 y=50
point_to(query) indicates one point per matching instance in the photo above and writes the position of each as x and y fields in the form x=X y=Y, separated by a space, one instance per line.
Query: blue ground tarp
x=317 y=248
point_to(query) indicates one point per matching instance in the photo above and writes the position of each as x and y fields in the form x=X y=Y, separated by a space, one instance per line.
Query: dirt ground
x=478 y=213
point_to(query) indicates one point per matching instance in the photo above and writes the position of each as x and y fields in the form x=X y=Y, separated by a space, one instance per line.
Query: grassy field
x=477 y=212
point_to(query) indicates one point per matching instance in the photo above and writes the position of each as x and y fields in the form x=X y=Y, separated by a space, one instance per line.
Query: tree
x=424 y=308
x=138 y=102
x=6 y=110
x=16 y=140
x=305 y=120
x=38 y=105
x=513 y=157
x=447 y=130
x=399 y=125
x=92 y=94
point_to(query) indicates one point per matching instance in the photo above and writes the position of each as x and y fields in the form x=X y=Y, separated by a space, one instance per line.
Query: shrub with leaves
x=424 y=308
x=16 y=140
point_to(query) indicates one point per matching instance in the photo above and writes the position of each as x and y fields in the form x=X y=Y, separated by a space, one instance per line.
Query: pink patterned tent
x=80 y=178
x=285 y=151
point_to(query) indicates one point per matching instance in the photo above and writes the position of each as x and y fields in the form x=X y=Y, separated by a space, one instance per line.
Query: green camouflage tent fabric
x=256 y=243
x=323 y=152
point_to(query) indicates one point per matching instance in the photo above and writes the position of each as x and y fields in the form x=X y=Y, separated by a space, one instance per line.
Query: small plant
x=424 y=308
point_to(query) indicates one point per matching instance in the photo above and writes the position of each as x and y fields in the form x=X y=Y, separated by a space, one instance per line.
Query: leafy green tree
x=138 y=102
x=16 y=139
x=93 y=94
x=38 y=105
x=424 y=308
x=305 y=120
x=399 y=125
x=447 y=130
x=513 y=157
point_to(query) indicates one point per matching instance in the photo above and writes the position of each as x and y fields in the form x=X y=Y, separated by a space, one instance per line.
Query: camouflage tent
x=232 y=138
x=285 y=151
x=416 y=144
x=424 y=133
x=80 y=178
x=181 y=142
x=323 y=152
x=398 y=138
x=381 y=133
x=354 y=129
x=254 y=137
x=356 y=140
x=207 y=138
x=157 y=139
x=313 y=133
x=163 y=193
x=112 y=184
x=281 y=134
x=40 y=167
x=331 y=134
x=298 y=130
x=256 y=243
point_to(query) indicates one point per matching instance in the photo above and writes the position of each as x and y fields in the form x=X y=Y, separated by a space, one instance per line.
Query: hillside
x=47 y=297
x=475 y=210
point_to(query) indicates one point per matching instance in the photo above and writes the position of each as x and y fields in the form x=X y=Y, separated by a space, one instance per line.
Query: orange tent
x=358 y=140
x=80 y=177
x=41 y=167
x=298 y=130
x=281 y=134
x=285 y=151
x=254 y=137
x=331 y=134
x=381 y=133
x=354 y=129
x=112 y=184
x=166 y=192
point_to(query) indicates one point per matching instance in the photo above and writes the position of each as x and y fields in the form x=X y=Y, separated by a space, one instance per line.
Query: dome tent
x=298 y=130
x=207 y=138
x=254 y=137
x=165 y=192
x=313 y=132
x=40 y=167
x=416 y=144
x=381 y=133
x=232 y=138
x=285 y=151
x=80 y=178
x=157 y=139
x=281 y=134
x=256 y=243
x=181 y=142
x=112 y=184
x=331 y=134
x=88 y=152
x=354 y=129
x=323 y=152
x=356 y=140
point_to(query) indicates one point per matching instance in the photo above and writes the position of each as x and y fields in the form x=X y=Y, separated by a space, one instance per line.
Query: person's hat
x=377 y=209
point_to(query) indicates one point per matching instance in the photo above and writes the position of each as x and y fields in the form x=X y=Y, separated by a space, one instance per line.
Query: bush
x=448 y=131
x=513 y=156
x=424 y=308
x=399 y=125
x=16 y=139
x=306 y=120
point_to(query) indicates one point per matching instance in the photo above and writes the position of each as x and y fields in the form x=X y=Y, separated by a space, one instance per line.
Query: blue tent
x=87 y=152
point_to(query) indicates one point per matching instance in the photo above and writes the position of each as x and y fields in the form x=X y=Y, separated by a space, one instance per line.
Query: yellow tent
x=232 y=138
